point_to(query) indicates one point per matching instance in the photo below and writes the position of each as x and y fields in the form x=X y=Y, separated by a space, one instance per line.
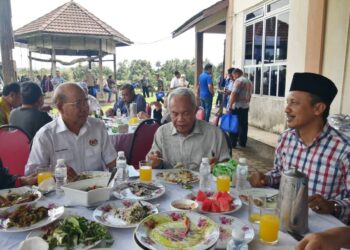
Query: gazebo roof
x=70 y=19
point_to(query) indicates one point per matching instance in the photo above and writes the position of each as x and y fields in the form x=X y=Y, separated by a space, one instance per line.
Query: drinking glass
x=223 y=183
x=269 y=226
x=256 y=202
x=44 y=172
x=145 y=169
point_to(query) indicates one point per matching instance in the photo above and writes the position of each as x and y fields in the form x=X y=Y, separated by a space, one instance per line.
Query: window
x=266 y=45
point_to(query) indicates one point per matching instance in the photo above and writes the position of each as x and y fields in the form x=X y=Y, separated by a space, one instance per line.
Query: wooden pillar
x=30 y=65
x=115 y=66
x=7 y=42
x=198 y=56
x=100 y=63
x=53 y=62
x=315 y=36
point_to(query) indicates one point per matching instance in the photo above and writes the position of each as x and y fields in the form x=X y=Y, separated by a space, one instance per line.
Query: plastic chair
x=14 y=148
x=200 y=115
x=142 y=141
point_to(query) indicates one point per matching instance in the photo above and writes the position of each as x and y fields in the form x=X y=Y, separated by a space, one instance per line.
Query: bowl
x=184 y=205
x=88 y=192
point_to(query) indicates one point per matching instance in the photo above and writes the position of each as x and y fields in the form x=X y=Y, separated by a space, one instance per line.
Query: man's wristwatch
x=336 y=209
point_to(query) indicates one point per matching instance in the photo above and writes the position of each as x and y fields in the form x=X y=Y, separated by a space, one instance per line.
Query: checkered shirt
x=326 y=162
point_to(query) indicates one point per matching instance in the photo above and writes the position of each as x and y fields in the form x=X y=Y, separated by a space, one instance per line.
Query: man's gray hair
x=182 y=91
x=59 y=95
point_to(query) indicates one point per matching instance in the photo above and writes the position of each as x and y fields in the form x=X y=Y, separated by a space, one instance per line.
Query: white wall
x=337 y=53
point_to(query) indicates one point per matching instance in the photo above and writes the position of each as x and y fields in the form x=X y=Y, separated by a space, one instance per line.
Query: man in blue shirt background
x=206 y=90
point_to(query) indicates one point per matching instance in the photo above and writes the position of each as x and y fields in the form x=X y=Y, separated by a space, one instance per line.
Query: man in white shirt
x=175 y=82
x=57 y=80
x=80 y=140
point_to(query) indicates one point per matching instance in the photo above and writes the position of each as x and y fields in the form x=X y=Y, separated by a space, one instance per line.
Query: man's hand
x=318 y=241
x=258 y=179
x=320 y=205
x=71 y=174
x=143 y=115
x=155 y=158
x=29 y=180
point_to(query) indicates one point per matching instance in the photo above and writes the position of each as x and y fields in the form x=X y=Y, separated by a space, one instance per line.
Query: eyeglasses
x=79 y=103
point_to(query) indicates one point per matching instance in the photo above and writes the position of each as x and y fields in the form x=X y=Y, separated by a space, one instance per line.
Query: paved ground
x=255 y=163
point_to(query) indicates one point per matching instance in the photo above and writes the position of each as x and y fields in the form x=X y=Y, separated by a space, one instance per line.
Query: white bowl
x=75 y=191
x=184 y=205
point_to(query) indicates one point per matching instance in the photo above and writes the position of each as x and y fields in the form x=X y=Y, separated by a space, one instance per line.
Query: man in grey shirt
x=186 y=140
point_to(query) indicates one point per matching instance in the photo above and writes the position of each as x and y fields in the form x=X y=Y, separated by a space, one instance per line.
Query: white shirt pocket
x=93 y=160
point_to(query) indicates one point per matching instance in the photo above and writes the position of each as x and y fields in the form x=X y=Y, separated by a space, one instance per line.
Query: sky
x=142 y=21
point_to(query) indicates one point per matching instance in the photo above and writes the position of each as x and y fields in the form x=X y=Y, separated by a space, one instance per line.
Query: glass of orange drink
x=269 y=226
x=44 y=172
x=223 y=183
x=256 y=202
x=145 y=170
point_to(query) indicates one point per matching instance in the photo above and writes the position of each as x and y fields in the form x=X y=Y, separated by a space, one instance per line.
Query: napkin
x=132 y=172
x=33 y=243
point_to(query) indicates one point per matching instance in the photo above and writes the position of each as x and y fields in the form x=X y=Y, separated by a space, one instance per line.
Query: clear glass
x=282 y=71
x=258 y=38
x=248 y=45
x=282 y=37
x=270 y=30
x=44 y=172
x=145 y=170
x=223 y=183
x=266 y=80
x=276 y=5
x=256 y=202
x=269 y=226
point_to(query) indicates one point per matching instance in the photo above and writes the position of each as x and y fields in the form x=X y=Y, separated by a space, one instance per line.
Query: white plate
x=19 y=190
x=126 y=193
x=171 y=222
x=53 y=214
x=161 y=178
x=40 y=233
x=268 y=192
x=237 y=203
x=105 y=214
x=229 y=223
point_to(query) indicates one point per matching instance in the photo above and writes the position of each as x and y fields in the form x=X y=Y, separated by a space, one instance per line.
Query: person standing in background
x=90 y=80
x=206 y=90
x=175 y=81
x=145 y=86
x=239 y=104
x=57 y=80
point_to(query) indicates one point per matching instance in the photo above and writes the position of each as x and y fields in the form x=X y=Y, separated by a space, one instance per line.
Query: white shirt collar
x=61 y=126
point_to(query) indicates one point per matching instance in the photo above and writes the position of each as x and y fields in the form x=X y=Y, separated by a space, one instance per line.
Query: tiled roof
x=71 y=18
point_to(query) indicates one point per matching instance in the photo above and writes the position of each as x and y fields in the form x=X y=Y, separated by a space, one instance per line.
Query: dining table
x=123 y=237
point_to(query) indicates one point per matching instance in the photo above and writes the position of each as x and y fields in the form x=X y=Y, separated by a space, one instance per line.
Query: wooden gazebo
x=70 y=30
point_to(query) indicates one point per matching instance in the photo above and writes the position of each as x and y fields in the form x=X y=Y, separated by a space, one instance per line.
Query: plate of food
x=92 y=174
x=29 y=217
x=73 y=232
x=270 y=194
x=178 y=176
x=177 y=230
x=139 y=191
x=123 y=214
x=215 y=202
x=228 y=225
x=15 y=197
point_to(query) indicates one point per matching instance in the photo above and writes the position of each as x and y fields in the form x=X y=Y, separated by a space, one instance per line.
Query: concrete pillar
x=115 y=66
x=53 y=62
x=229 y=37
x=30 y=65
x=198 y=56
x=315 y=36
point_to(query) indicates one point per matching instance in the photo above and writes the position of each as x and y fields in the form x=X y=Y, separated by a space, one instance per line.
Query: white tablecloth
x=124 y=237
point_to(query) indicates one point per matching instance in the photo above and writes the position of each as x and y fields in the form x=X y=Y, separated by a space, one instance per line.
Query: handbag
x=229 y=123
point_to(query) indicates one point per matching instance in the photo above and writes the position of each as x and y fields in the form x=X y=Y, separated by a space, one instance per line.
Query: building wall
x=336 y=57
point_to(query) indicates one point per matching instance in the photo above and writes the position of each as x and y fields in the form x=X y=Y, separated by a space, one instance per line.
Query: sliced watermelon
x=201 y=196
x=225 y=204
x=227 y=196
x=207 y=205
x=217 y=195
x=215 y=207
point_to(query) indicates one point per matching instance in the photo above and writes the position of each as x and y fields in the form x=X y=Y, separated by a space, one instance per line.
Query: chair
x=14 y=148
x=142 y=141
x=200 y=115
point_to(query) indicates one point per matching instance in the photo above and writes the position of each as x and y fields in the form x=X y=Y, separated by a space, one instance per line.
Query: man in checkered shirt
x=313 y=147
